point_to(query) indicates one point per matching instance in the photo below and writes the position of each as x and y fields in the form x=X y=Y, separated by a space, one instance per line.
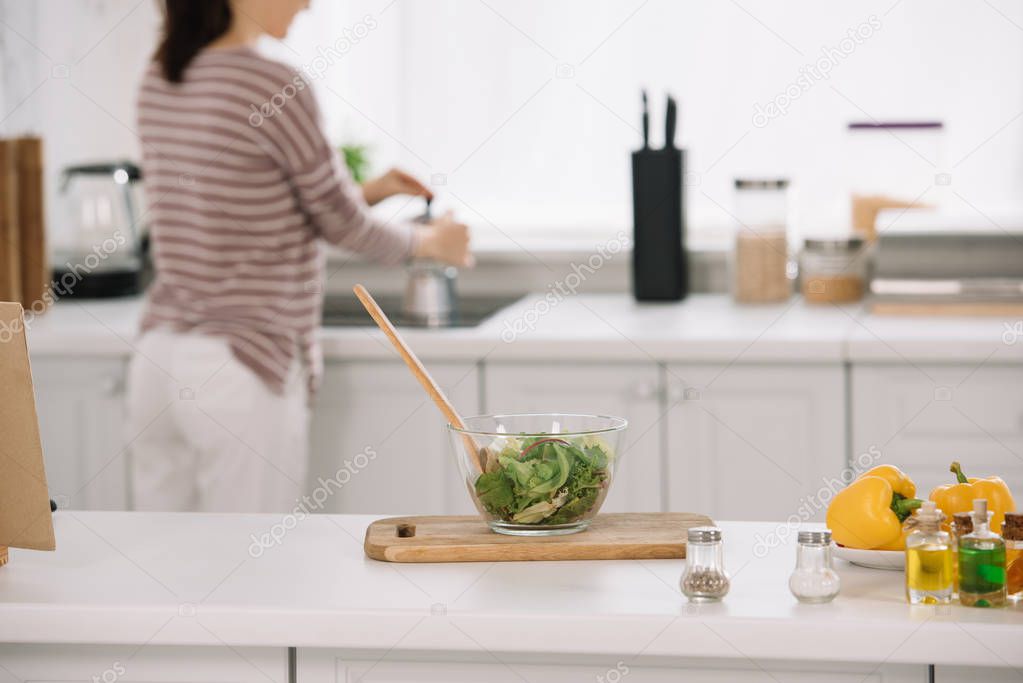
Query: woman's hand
x=445 y=240
x=391 y=183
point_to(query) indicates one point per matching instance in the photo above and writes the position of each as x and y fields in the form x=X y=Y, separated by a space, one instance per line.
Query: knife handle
x=670 y=121
x=646 y=122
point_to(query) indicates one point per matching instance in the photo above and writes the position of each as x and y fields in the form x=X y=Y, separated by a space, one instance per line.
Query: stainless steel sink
x=344 y=310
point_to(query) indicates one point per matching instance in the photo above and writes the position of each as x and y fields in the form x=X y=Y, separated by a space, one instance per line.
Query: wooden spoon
x=479 y=454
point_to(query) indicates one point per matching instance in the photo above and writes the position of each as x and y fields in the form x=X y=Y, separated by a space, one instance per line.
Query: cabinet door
x=925 y=416
x=754 y=442
x=81 y=421
x=374 y=421
x=141 y=664
x=631 y=391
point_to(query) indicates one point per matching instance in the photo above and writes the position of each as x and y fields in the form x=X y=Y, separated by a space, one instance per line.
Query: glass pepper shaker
x=814 y=580
x=704 y=579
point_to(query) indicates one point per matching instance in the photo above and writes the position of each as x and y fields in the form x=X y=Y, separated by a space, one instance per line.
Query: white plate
x=873 y=559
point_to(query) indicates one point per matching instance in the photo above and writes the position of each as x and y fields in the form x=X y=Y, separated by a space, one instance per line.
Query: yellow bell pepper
x=900 y=481
x=869 y=512
x=959 y=497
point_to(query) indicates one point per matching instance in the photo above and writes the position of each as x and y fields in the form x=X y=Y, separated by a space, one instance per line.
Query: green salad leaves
x=545 y=479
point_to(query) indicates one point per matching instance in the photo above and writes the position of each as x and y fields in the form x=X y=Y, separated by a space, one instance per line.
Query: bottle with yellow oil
x=928 y=558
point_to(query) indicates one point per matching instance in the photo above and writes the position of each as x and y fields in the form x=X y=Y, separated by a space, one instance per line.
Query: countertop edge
x=704 y=329
x=934 y=640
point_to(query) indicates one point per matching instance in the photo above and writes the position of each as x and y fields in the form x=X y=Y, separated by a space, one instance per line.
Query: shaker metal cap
x=704 y=534
x=833 y=245
x=761 y=183
x=821 y=537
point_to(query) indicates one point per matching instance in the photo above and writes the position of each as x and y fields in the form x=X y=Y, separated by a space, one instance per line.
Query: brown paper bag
x=25 y=519
x=35 y=268
x=10 y=261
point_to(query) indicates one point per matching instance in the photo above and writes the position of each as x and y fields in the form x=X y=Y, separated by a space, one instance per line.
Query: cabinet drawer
x=324 y=666
x=971 y=674
x=142 y=664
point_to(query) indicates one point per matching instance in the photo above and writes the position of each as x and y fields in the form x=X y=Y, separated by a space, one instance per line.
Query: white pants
x=206 y=434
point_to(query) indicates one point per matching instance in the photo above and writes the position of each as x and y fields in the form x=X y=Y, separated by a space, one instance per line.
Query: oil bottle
x=962 y=524
x=928 y=558
x=1012 y=534
x=981 y=563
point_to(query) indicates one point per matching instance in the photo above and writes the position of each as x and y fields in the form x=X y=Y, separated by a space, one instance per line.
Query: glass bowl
x=542 y=474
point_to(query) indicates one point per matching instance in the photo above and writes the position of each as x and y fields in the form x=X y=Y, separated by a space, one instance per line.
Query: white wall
x=565 y=154
x=69 y=72
x=468 y=89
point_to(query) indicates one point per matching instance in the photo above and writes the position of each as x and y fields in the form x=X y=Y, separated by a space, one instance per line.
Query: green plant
x=357 y=161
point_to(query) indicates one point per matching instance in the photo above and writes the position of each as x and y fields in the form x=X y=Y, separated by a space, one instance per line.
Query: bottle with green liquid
x=928 y=558
x=981 y=563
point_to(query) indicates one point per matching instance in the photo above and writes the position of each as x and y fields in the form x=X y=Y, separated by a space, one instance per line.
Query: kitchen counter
x=189 y=579
x=610 y=327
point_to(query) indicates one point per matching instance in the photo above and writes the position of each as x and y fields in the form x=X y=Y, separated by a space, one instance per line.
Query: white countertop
x=190 y=579
x=609 y=327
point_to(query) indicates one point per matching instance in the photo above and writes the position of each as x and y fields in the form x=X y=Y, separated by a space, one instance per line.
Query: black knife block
x=659 y=265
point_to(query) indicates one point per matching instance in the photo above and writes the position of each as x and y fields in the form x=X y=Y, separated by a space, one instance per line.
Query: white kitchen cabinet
x=329 y=666
x=631 y=391
x=141 y=664
x=376 y=417
x=924 y=416
x=754 y=442
x=81 y=411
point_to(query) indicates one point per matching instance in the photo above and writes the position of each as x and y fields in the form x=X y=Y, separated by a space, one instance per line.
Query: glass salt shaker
x=704 y=579
x=813 y=580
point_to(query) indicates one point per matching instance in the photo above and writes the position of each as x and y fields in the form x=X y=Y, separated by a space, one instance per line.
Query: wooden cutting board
x=618 y=536
x=977 y=308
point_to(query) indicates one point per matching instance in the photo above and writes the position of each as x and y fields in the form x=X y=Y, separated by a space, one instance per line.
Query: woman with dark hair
x=240 y=206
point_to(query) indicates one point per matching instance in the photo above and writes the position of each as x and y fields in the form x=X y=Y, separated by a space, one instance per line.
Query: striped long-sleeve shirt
x=242 y=188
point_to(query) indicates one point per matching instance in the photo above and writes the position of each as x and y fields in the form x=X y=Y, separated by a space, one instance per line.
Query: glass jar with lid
x=833 y=270
x=759 y=259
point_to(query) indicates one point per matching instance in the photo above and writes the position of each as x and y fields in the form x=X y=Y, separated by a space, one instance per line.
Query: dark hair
x=189 y=26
